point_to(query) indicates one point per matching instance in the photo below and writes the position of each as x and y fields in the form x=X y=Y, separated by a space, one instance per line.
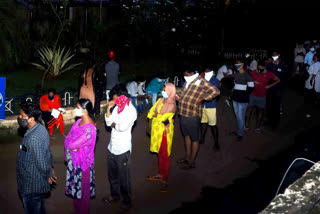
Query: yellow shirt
x=158 y=128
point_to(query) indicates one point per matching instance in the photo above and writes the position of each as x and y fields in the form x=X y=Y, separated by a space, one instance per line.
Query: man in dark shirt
x=243 y=86
x=34 y=161
x=112 y=71
x=274 y=94
x=209 y=111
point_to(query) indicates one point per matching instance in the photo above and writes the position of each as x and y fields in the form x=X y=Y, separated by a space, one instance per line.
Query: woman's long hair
x=91 y=64
x=87 y=105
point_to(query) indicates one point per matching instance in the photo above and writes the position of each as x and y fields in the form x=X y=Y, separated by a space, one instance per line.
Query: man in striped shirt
x=243 y=86
x=195 y=91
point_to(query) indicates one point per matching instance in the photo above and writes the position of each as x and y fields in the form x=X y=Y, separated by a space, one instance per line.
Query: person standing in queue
x=34 y=164
x=162 y=131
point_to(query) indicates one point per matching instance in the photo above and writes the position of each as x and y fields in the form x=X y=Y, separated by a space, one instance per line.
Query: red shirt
x=46 y=104
x=260 y=82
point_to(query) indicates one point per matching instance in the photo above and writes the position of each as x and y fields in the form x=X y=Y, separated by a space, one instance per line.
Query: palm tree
x=59 y=59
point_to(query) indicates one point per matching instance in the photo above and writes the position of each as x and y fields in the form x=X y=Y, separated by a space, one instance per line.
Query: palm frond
x=59 y=59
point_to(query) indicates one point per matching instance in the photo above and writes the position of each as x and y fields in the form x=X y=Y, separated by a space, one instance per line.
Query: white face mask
x=78 y=112
x=208 y=75
x=189 y=79
x=275 y=58
x=160 y=80
x=311 y=49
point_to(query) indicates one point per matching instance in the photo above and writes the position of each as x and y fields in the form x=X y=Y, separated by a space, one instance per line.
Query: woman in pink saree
x=79 y=154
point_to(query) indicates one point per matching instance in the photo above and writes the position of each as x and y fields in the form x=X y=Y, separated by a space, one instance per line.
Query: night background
x=178 y=32
x=162 y=38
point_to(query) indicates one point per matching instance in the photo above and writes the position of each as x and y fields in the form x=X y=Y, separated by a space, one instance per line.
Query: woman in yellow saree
x=162 y=130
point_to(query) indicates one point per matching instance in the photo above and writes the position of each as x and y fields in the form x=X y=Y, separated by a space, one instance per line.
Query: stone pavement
x=213 y=168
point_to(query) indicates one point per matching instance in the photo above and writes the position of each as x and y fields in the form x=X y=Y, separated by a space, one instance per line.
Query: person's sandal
x=257 y=130
x=155 y=178
x=188 y=166
x=164 y=187
x=109 y=199
x=182 y=161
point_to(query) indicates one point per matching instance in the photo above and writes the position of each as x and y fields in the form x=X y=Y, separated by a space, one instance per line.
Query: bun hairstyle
x=87 y=105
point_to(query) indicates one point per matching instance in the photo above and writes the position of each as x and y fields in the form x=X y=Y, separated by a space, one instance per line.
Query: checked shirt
x=34 y=162
x=198 y=88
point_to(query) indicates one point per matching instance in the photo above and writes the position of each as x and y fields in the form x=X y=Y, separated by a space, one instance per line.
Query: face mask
x=275 y=58
x=189 y=79
x=237 y=66
x=159 y=80
x=23 y=123
x=50 y=97
x=208 y=75
x=164 y=94
x=78 y=112
x=311 y=49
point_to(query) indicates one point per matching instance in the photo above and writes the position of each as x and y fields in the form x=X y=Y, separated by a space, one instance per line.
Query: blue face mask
x=237 y=66
x=164 y=94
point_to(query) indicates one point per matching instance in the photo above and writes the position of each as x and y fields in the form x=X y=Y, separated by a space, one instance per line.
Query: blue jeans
x=154 y=96
x=240 y=112
x=134 y=101
x=33 y=203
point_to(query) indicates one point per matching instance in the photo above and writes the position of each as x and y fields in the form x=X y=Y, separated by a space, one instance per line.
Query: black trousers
x=119 y=176
x=309 y=99
x=273 y=106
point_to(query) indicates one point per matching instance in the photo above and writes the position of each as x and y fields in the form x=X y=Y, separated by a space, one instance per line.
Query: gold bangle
x=108 y=115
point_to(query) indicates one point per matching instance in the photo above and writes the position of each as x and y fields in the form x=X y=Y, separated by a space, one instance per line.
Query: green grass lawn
x=21 y=81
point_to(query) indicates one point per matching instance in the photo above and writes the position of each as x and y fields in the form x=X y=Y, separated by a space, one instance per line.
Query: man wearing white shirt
x=312 y=84
x=136 y=92
x=224 y=71
x=121 y=121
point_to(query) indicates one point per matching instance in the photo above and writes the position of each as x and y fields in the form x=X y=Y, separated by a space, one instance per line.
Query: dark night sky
x=273 y=23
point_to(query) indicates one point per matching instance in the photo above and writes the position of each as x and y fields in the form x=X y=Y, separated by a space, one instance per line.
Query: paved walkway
x=213 y=168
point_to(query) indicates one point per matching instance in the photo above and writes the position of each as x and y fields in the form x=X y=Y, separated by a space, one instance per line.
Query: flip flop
x=182 y=160
x=188 y=166
x=155 y=178
x=164 y=187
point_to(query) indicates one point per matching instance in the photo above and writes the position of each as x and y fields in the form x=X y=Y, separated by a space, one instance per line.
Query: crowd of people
x=245 y=85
